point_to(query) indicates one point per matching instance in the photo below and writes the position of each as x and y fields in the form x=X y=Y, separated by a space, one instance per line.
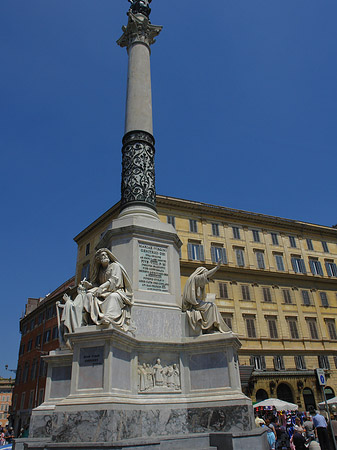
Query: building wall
x=6 y=389
x=282 y=304
x=39 y=335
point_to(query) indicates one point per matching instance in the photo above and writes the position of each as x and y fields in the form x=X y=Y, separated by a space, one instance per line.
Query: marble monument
x=140 y=365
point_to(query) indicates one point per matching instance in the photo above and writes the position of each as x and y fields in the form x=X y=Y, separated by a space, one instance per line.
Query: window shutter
x=202 y=256
x=294 y=264
x=213 y=255
x=224 y=256
x=302 y=266
x=189 y=251
x=312 y=267
x=328 y=269
x=334 y=269
x=319 y=268
x=263 y=363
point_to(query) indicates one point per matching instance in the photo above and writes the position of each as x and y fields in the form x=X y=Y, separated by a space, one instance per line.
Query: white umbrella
x=278 y=404
x=329 y=402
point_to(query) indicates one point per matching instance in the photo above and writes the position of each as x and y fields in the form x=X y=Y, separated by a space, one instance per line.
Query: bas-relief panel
x=209 y=370
x=158 y=376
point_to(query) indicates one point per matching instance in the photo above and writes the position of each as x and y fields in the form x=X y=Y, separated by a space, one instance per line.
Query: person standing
x=321 y=429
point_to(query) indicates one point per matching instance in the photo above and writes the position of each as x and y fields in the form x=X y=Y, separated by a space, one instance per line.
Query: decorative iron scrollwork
x=138 y=175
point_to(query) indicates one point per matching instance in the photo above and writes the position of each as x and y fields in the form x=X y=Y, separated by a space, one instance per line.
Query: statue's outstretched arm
x=211 y=272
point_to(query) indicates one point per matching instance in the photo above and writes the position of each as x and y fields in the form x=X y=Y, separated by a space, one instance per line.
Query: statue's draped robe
x=112 y=306
x=201 y=313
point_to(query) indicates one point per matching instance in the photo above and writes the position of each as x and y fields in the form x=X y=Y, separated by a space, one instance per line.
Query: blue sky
x=244 y=101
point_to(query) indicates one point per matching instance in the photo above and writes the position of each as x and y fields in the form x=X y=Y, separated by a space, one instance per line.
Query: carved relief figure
x=107 y=300
x=202 y=314
x=158 y=377
x=158 y=373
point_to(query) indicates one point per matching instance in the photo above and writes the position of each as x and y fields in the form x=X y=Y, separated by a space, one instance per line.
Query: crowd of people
x=292 y=430
x=6 y=435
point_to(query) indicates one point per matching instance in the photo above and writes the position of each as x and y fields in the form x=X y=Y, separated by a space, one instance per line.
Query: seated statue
x=202 y=314
x=107 y=300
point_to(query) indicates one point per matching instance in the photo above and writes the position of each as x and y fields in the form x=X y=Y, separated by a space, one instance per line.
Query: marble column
x=138 y=174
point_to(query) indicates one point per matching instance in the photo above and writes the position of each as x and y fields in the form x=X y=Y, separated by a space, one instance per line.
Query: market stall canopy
x=332 y=401
x=278 y=404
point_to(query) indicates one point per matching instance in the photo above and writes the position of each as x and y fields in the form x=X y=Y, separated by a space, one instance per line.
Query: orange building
x=6 y=390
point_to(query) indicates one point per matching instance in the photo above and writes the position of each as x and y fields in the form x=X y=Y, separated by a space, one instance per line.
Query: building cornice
x=224 y=213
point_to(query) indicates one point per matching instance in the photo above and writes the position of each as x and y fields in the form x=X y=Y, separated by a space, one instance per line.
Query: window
x=32 y=324
x=31 y=398
x=278 y=362
x=215 y=229
x=18 y=376
x=292 y=241
x=85 y=271
x=250 y=325
x=25 y=372
x=228 y=320
x=218 y=253
x=87 y=249
x=324 y=299
x=286 y=296
x=23 y=398
x=240 y=257
x=331 y=268
x=46 y=336
x=258 y=361
x=43 y=368
x=306 y=298
x=15 y=400
x=335 y=360
x=195 y=252
x=279 y=263
x=298 y=265
x=49 y=313
x=274 y=238
x=55 y=334
x=323 y=362
x=312 y=325
x=266 y=294
x=309 y=244
x=41 y=396
x=256 y=235
x=293 y=330
x=260 y=260
x=315 y=267
x=223 y=291
x=22 y=349
x=40 y=319
x=171 y=220
x=236 y=232
x=272 y=326
x=325 y=247
x=38 y=340
x=330 y=323
x=193 y=226
x=33 y=371
x=300 y=362
x=245 y=292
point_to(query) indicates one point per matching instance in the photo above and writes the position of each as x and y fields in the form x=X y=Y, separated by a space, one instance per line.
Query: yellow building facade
x=276 y=288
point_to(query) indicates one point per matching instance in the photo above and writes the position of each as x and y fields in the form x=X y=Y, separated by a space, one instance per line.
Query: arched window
x=329 y=392
x=284 y=393
x=261 y=394
x=309 y=399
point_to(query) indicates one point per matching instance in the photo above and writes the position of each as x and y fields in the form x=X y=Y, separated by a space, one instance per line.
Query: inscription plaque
x=91 y=356
x=153 y=272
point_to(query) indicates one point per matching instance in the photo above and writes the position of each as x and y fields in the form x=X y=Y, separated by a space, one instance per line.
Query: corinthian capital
x=138 y=29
